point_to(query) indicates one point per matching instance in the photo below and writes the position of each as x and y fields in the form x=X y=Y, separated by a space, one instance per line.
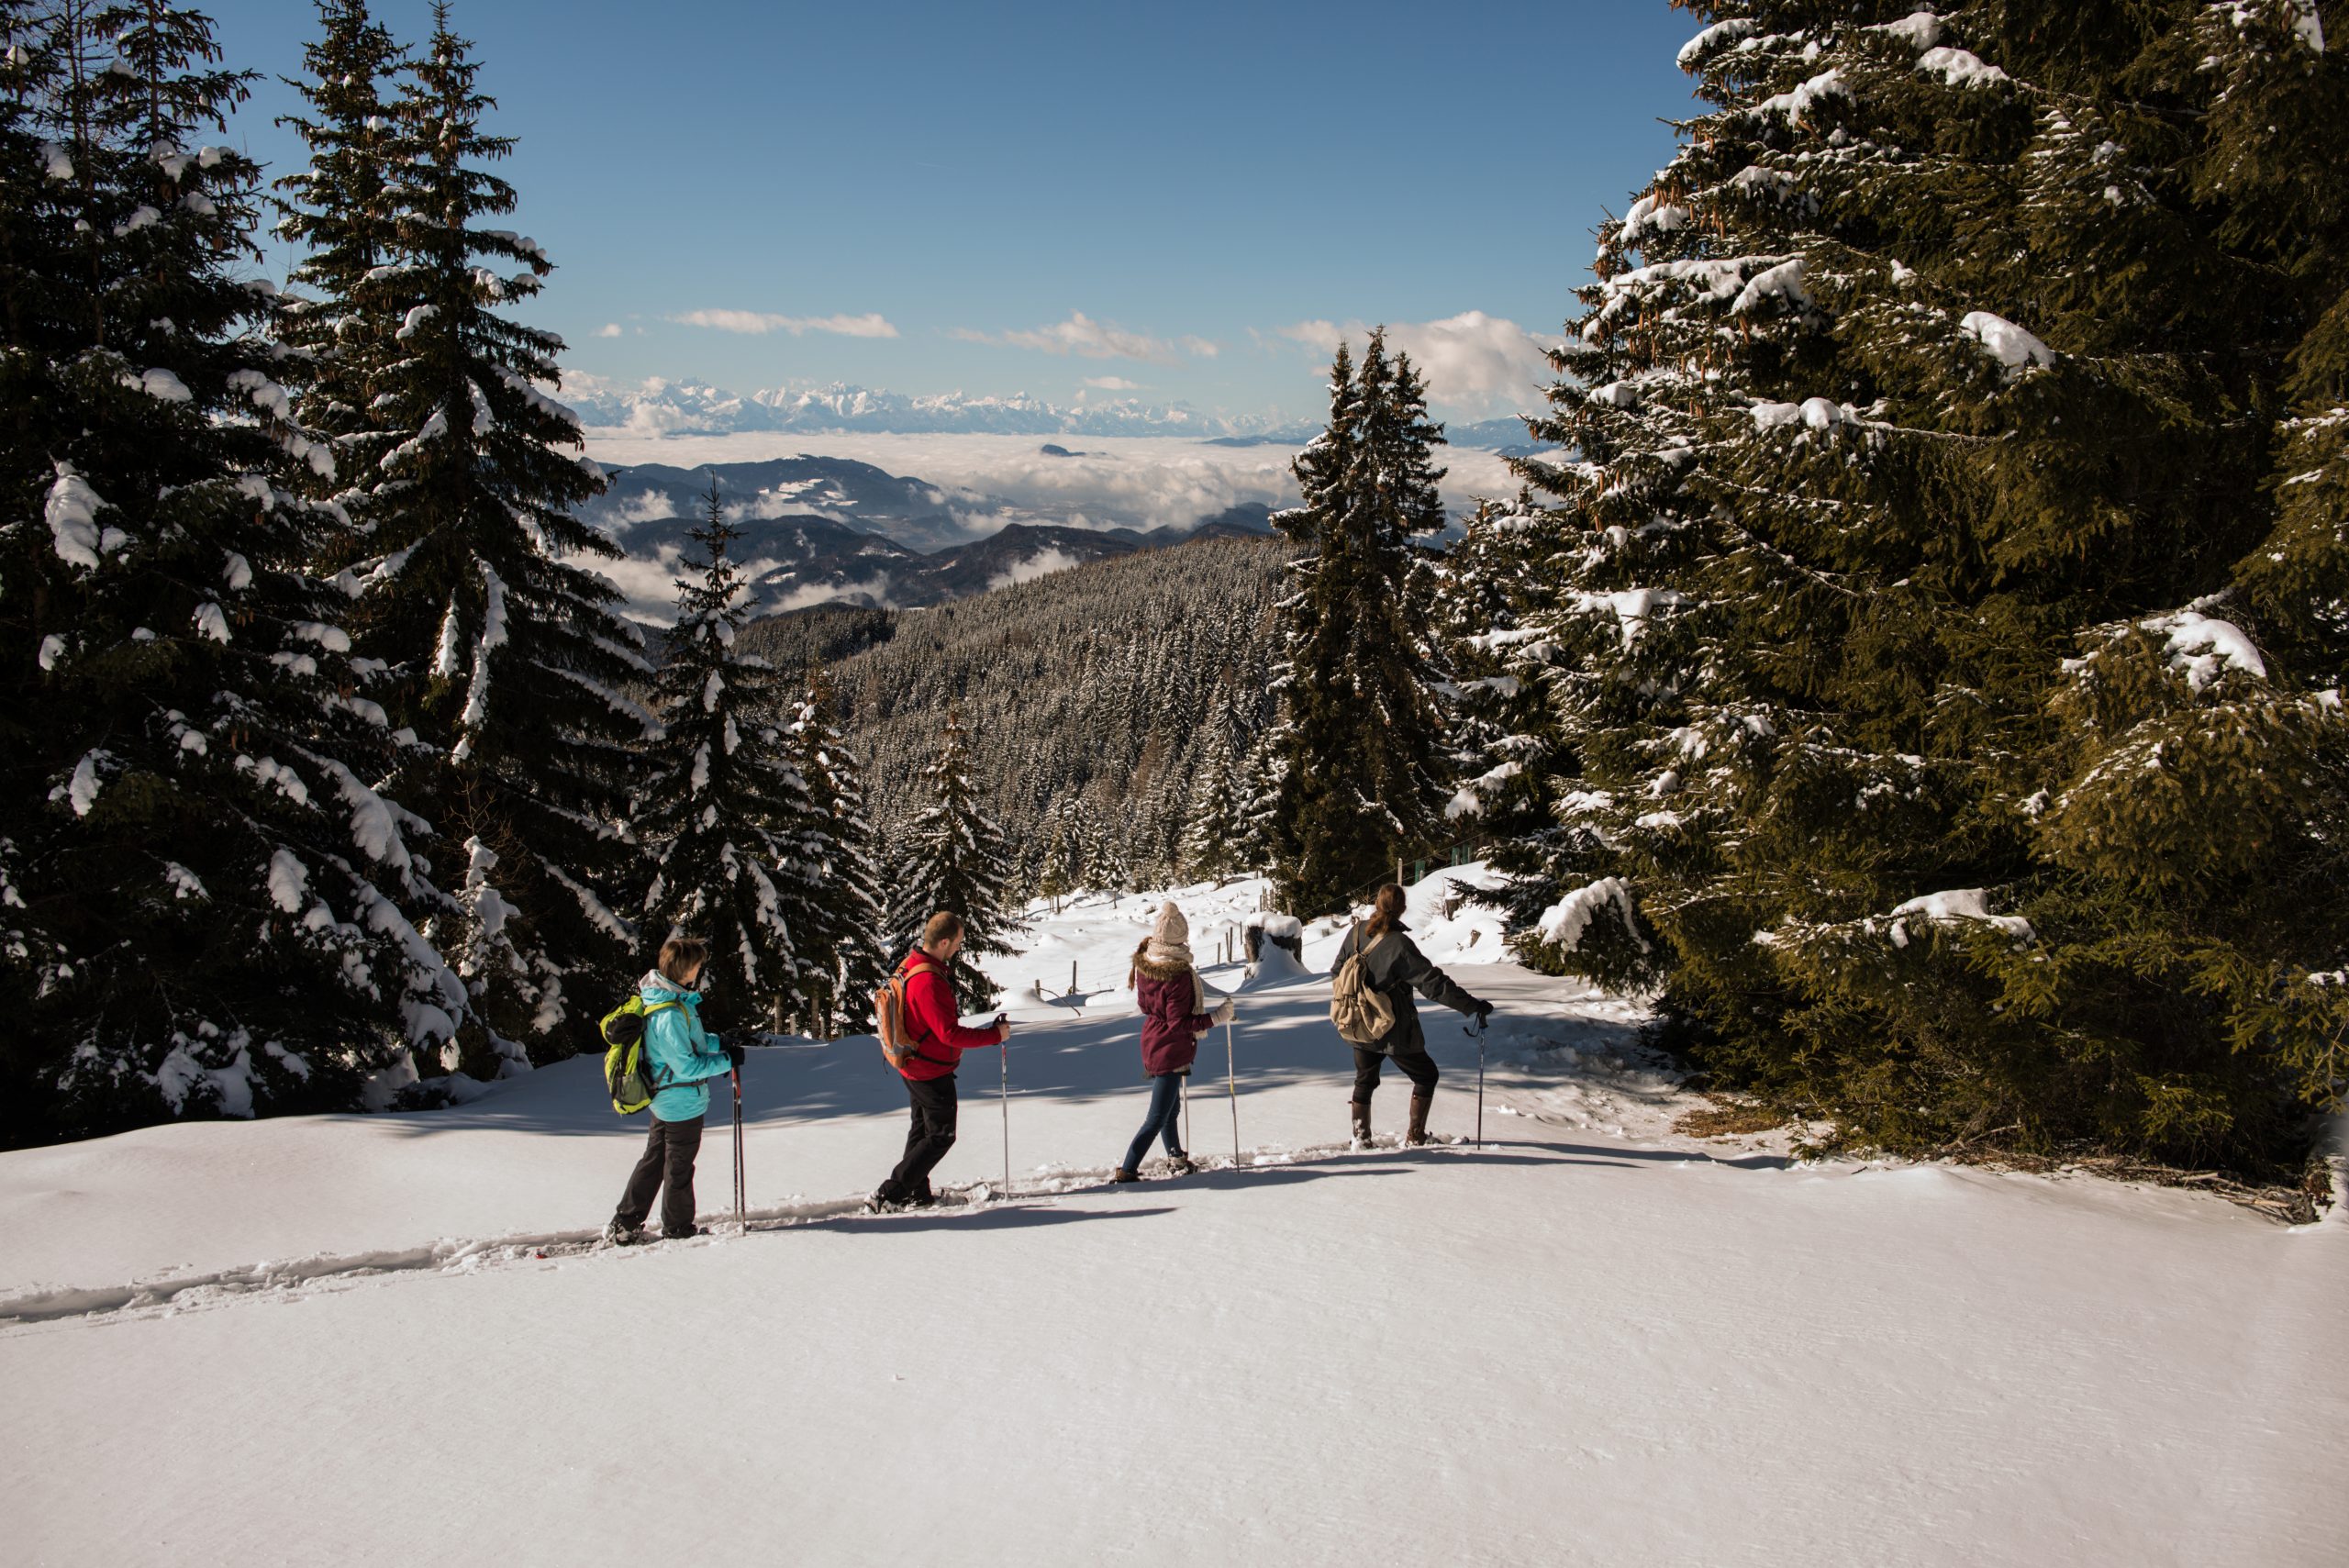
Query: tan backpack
x=897 y=1042
x=1362 y=1013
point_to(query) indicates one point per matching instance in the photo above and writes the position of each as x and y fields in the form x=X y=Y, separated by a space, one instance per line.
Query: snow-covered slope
x=1591 y=1341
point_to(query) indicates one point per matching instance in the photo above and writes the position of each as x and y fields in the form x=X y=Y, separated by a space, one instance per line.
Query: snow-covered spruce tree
x=843 y=942
x=338 y=207
x=1931 y=419
x=207 y=871
x=1504 y=750
x=1261 y=773
x=1212 y=830
x=731 y=830
x=1060 y=868
x=953 y=858
x=1360 y=731
x=504 y=657
x=43 y=267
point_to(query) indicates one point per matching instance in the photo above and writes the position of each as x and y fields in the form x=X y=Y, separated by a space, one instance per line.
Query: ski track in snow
x=167 y=1295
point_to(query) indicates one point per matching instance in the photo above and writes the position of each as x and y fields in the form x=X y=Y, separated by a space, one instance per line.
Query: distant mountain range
x=830 y=530
x=661 y=407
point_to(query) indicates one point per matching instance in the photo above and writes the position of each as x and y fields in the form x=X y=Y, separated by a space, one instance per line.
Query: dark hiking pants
x=1165 y=1116
x=1415 y=1065
x=927 y=1140
x=666 y=1166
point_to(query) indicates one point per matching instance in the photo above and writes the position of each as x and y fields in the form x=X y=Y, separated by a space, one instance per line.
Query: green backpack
x=627 y=1063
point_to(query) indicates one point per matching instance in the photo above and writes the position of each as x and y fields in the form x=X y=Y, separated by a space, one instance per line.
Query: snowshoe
x=618 y=1235
x=1179 y=1165
x=1124 y=1176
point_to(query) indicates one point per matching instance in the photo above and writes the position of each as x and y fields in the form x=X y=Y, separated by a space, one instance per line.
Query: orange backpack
x=897 y=1042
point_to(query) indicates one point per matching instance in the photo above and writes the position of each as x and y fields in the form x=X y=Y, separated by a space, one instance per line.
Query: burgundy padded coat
x=1169 y=1030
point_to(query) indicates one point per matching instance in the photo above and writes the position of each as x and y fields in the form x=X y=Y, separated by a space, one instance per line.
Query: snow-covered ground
x=382 y=1339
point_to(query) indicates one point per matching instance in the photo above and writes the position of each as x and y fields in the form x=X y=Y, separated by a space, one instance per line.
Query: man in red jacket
x=940 y=1041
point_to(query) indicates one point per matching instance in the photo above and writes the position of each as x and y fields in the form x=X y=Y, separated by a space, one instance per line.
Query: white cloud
x=1476 y=365
x=756 y=324
x=1112 y=384
x=874 y=590
x=1041 y=564
x=650 y=587
x=1088 y=339
x=609 y=329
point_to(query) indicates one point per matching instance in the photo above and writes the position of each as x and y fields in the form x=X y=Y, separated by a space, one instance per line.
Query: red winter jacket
x=939 y=1038
x=1169 y=1030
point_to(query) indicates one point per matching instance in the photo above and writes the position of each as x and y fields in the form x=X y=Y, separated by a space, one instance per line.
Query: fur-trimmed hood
x=1149 y=971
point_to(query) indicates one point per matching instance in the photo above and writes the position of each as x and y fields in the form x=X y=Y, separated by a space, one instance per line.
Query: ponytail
x=1388 y=909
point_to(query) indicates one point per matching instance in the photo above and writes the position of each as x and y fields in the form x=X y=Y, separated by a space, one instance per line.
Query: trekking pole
x=1003 y=1053
x=741 y=1189
x=1480 y=1083
x=1232 y=1077
x=1183 y=1088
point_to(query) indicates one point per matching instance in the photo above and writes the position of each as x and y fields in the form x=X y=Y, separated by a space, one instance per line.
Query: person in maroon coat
x=1175 y=1014
x=940 y=1040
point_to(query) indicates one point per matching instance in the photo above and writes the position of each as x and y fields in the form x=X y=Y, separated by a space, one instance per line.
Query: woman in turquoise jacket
x=684 y=1057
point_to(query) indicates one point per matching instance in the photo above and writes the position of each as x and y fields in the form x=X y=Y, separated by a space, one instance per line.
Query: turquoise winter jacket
x=685 y=1055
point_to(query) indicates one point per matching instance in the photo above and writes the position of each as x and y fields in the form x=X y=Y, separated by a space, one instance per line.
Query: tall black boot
x=1420 y=1100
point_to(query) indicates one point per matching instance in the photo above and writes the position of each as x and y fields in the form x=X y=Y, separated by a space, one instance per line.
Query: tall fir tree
x=507 y=660
x=727 y=821
x=1262 y=773
x=953 y=858
x=339 y=208
x=844 y=956
x=210 y=876
x=1212 y=829
x=1362 y=732
x=1899 y=615
x=1060 y=868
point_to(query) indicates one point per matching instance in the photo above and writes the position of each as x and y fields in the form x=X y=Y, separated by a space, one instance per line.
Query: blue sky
x=1187 y=201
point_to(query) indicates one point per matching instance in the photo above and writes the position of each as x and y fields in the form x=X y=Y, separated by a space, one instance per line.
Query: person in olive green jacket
x=1393 y=966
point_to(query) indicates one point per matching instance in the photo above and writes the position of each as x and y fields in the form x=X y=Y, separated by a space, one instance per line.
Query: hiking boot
x=1125 y=1175
x=882 y=1203
x=687 y=1234
x=1179 y=1165
x=1362 y=1124
x=618 y=1235
x=1420 y=1100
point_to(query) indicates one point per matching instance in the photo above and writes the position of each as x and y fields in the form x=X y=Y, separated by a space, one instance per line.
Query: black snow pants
x=1415 y=1065
x=927 y=1140
x=666 y=1166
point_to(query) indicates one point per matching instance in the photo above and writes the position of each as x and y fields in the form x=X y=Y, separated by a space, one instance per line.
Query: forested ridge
x=1110 y=700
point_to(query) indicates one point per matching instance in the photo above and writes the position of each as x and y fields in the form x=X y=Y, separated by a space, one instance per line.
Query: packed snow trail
x=177 y=1292
x=1591 y=1341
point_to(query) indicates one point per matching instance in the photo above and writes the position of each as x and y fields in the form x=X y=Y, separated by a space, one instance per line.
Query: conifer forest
x=1909 y=652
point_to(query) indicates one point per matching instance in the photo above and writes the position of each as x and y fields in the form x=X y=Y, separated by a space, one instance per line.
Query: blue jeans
x=1166 y=1115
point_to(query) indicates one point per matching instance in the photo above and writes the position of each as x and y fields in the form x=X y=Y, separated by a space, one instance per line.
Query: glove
x=734 y=1055
x=1483 y=1011
x=1222 y=1015
x=1002 y=1030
